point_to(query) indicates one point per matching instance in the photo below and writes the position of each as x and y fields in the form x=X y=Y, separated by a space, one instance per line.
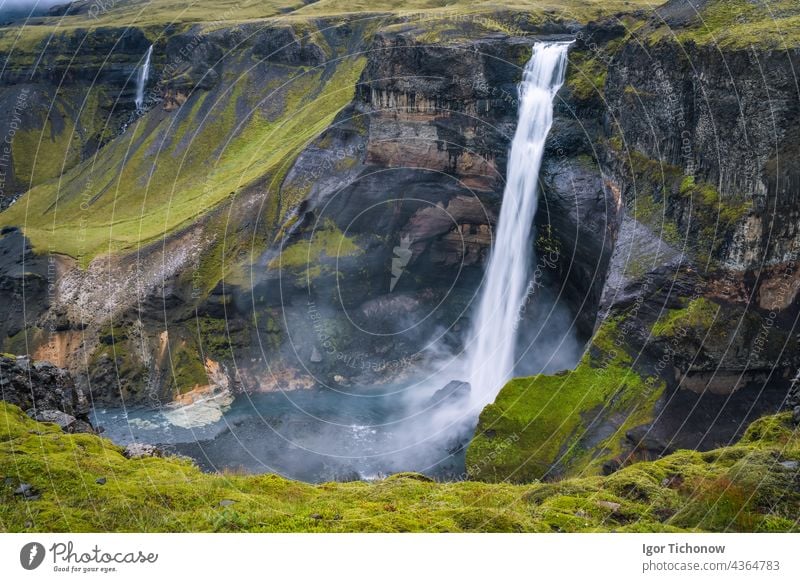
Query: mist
x=359 y=375
x=362 y=432
x=17 y=9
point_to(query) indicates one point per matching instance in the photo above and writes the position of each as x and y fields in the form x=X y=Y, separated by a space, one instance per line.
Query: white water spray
x=141 y=79
x=494 y=333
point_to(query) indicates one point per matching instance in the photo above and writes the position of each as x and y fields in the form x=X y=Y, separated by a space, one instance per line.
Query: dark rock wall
x=40 y=386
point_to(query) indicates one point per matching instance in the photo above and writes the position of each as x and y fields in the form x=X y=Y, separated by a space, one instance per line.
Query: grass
x=738 y=488
x=150 y=182
x=588 y=70
x=154 y=15
x=739 y=24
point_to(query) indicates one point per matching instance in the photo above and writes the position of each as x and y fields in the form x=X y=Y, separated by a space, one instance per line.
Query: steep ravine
x=673 y=258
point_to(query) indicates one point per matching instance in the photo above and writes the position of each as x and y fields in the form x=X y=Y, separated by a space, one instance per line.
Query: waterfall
x=491 y=349
x=141 y=79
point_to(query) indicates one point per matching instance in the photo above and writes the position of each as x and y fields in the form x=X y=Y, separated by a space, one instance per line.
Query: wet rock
x=455 y=390
x=100 y=480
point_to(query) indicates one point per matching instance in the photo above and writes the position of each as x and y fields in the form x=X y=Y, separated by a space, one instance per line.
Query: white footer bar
x=402 y=557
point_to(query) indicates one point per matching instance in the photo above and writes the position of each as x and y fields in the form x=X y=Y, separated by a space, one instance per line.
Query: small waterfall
x=491 y=351
x=141 y=79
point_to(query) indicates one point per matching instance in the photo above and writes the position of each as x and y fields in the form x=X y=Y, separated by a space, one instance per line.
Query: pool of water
x=312 y=435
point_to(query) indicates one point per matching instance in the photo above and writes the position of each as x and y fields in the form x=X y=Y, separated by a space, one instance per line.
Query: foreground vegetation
x=750 y=486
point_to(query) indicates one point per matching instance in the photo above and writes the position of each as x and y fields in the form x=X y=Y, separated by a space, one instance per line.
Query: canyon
x=300 y=212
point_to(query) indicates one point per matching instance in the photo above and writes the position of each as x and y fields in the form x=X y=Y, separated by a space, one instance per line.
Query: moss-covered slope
x=545 y=426
x=751 y=486
x=169 y=170
x=731 y=24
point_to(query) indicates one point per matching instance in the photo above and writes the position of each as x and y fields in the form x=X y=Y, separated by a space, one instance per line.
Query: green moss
x=536 y=425
x=118 y=354
x=41 y=154
x=586 y=75
x=212 y=337
x=171 y=494
x=770 y=430
x=746 y=496
x=699 y=314
x=741 y=24
x=188 y=370
x=144 y=186
x=546 y=243
x=327 y=242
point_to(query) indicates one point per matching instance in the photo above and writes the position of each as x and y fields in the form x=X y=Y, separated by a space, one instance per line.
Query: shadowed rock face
x=412 y=172
x=713 y=117
x=43 y=389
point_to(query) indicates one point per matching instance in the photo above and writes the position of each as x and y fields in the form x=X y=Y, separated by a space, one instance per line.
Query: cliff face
x=311 y=202
x=364 y=235
x=396 y=202
x=62 y=100
x=698 y=145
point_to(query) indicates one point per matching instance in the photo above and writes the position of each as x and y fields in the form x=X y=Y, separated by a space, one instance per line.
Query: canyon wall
x=182 y=252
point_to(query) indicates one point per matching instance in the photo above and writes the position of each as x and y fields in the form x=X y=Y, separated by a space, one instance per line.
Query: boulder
x=141 y=450
x=62 y=419
x=643 y=438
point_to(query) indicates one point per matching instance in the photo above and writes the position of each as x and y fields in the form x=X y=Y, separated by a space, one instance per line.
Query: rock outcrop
x=46 y=392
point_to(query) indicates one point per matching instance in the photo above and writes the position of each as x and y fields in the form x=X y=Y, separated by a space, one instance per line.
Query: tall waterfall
x=141 y=78
x=491 y=351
